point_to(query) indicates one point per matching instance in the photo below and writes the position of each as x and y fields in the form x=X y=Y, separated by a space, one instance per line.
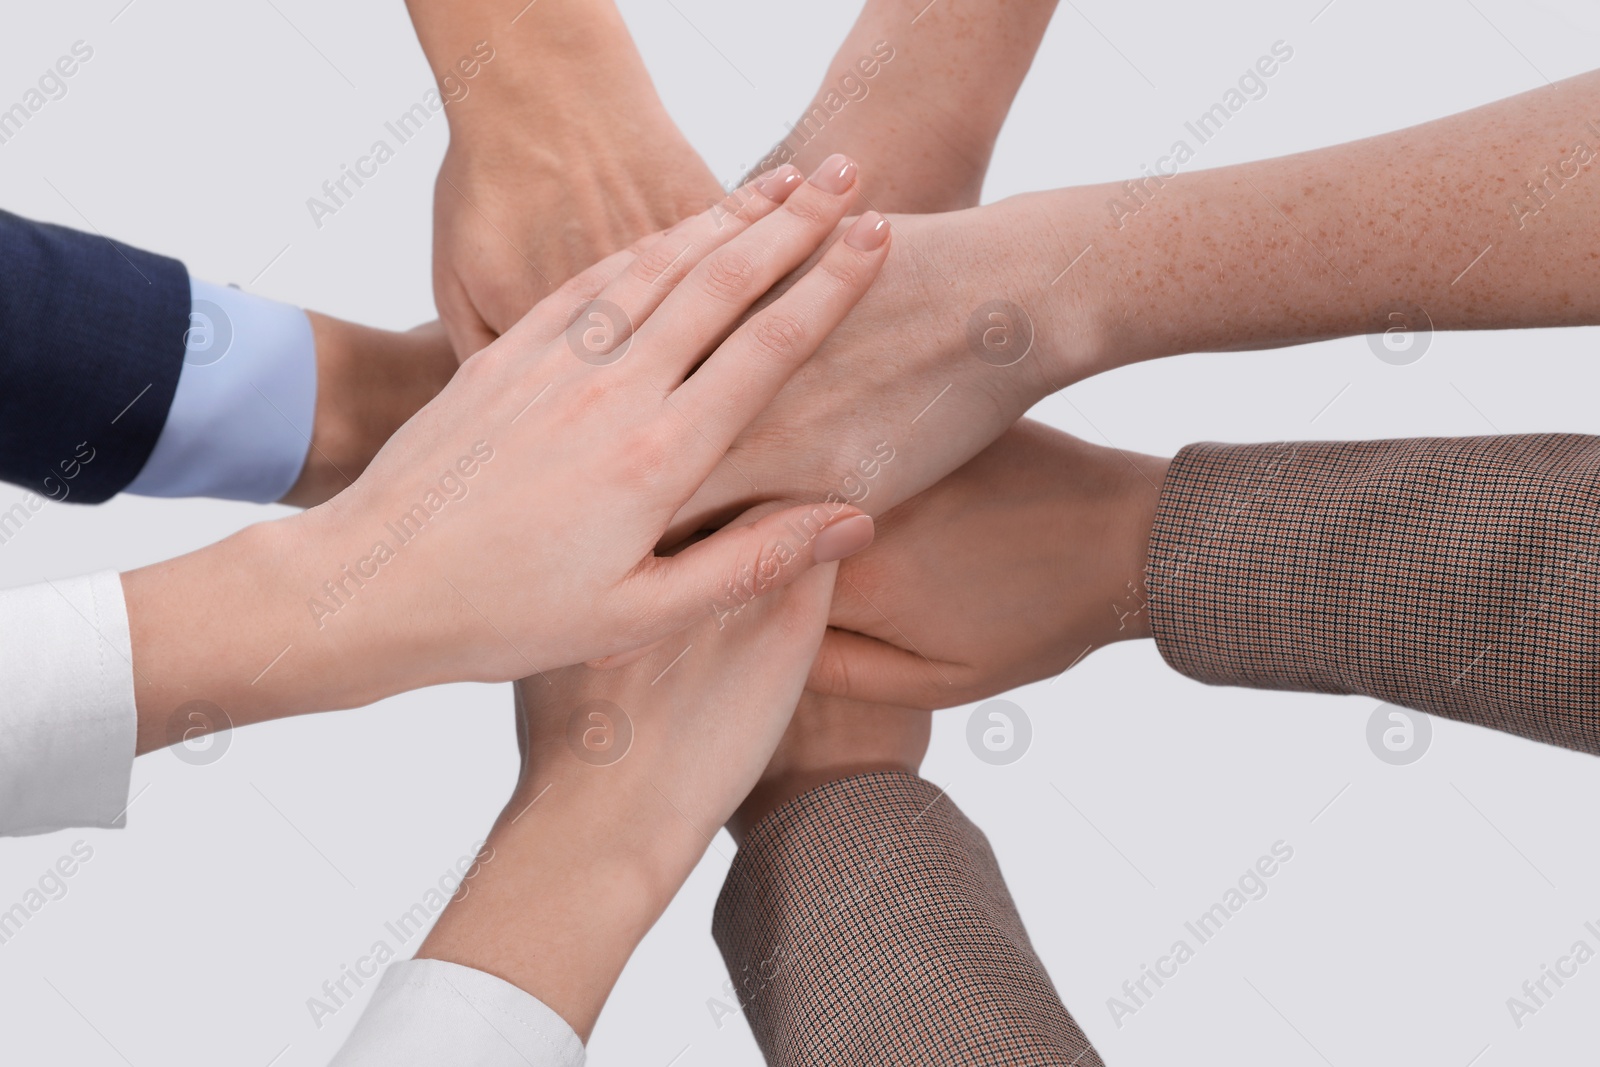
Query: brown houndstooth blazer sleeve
x=867 y=922
x=1456 y=576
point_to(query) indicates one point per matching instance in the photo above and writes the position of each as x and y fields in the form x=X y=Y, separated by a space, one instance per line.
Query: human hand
x=510 y=526
x=923 y=374
x=1010 y=570
x=627 y=775
x=369 y=382
x=561 y=153
x=514 y=219
x=925 y=108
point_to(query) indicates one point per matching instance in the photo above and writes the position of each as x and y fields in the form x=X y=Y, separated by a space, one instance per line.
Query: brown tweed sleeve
x=1456 y=576
x=867 y=922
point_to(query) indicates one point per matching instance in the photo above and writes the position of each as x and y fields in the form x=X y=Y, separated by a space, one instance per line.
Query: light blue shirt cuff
x=240 y=423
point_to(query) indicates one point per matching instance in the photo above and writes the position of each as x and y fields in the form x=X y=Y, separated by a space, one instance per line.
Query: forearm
x=241 y=632
x=536 y=63
x=923 y=88
x=573 y=878
x=937 y=966
x=560 y=154
x=1450 y=575
x=1480 y=220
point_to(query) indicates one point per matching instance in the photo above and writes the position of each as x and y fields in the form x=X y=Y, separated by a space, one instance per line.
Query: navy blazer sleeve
x=91 y=347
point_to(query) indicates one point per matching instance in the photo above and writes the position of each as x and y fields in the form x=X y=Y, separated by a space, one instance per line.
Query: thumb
x=864 y=669
x=734 y=567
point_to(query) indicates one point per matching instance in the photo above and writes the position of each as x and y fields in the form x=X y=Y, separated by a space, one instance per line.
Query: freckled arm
x=1482 y=220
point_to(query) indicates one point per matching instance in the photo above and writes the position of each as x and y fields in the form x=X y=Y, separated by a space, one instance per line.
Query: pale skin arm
x=1328 y=243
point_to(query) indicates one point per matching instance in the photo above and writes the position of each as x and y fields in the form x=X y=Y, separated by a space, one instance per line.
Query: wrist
x=620 y=819
x=876 y=64
x=571 y=882
x=198 y=626
x=1135 y=519
x=830 y=738
x=623 y=827
x=369 y=382
x=230 y=625
x=547 y=79
x=1056 y=264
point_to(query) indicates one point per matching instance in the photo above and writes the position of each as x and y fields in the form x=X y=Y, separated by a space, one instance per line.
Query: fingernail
x=868 y=232
x=777 y=183
x=836 y=175
x=843 y=539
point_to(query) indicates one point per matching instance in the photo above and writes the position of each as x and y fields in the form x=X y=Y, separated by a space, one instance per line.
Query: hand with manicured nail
x=627 y=776
x=903 y=392
x=509 y=528
x=982 y=313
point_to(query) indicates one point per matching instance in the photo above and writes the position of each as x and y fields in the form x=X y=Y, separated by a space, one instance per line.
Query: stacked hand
x=510 y=526
x=560 y=155
x=676 y=410
x=627 y=775
x=514 y=219
x=1010 y=570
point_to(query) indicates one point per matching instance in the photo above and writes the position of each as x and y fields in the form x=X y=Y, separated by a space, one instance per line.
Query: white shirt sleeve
x=429 y=1013
x=67 y=715
x=240 y=422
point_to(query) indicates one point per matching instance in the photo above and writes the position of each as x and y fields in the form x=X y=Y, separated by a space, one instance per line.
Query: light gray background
x=1419 y=898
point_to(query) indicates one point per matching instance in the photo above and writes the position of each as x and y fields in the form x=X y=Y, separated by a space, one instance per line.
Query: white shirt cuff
x=428 y=1012
x=240 y=423
x=67 y=715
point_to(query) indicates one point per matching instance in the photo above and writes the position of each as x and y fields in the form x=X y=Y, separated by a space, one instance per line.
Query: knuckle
x=764 y=565
x=738 y=208
x=642 y=616
x=589 y=396
x=585 y=286
x=654 y=263
x=844 y=272
x=730 y=274
x=779 y=335
x=651 y=459
x=811 y=211
x=485 y=366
